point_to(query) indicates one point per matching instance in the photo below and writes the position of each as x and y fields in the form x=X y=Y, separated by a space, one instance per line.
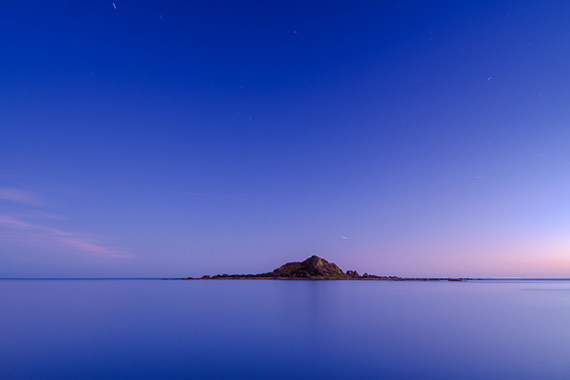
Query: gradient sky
x=161 y=138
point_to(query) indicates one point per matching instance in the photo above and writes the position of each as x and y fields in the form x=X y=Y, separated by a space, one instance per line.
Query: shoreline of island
x=233 y=277
x=316 y=269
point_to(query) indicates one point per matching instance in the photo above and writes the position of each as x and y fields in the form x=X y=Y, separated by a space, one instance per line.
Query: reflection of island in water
x=315 y=268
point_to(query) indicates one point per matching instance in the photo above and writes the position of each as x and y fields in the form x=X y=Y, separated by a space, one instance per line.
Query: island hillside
x=315 y=268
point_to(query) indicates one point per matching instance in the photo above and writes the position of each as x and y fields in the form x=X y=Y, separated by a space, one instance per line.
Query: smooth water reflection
x=52 y=329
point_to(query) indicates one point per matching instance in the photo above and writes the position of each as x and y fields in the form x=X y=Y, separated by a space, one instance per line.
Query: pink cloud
x=16 y=195
x=84 y=246
x=27 y=234
x=8 y=221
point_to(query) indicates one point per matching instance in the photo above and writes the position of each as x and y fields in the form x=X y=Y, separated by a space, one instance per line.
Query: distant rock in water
x=314 y=266
x=352 y=274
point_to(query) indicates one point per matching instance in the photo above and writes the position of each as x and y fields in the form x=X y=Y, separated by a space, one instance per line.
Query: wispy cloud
x=17 y=195
x=25 y=225
x=76 y=243
x=28 y=234
x=9 y=221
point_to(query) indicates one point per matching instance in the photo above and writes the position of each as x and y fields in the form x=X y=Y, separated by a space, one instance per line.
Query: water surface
x=152 y=329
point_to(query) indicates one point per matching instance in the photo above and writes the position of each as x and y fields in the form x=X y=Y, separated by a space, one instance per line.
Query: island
x=314 y=268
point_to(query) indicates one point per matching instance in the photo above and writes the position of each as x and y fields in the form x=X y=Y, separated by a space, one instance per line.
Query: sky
x=166 y=139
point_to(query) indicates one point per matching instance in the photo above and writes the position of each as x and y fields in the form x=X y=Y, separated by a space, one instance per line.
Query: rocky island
x=315 y=268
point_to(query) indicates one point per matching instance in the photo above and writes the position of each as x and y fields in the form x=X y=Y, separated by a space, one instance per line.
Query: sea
x=268 y=329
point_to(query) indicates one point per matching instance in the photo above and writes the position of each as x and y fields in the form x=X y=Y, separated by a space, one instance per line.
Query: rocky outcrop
x=314 y=266
x=352 y=274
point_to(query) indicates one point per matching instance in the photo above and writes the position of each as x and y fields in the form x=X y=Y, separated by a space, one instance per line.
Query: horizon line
x=169 y=278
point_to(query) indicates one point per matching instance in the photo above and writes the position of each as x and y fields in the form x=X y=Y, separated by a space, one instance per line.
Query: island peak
x=314 y=266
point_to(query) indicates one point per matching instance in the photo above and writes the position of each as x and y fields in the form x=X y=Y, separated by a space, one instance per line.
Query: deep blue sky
x=183 y=138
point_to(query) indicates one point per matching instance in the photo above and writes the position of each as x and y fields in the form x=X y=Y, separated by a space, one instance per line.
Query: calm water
x=135 y=329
